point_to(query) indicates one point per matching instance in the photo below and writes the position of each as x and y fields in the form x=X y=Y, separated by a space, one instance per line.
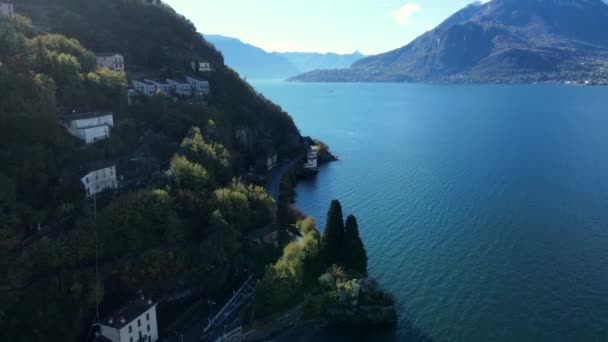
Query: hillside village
x=92 y=127
x=129 y=139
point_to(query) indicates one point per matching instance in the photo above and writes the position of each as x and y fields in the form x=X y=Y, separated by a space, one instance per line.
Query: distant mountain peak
x=255 y=63
x=498 y=41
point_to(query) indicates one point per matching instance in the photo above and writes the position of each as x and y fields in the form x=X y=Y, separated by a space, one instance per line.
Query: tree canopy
x=283 y=283
x=354 y=254
x=341 y=243
x=333 y=234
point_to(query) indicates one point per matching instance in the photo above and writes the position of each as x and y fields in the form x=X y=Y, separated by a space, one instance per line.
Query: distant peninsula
x=501 y=41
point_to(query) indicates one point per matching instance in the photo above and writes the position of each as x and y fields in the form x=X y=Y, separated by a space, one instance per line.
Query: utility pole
x=98 y=318
x=212 y=303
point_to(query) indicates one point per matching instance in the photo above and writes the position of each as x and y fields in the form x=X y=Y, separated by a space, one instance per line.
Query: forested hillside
x=177 y=223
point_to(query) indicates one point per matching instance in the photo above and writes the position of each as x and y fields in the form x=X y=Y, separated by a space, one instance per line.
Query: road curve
x=273 y=181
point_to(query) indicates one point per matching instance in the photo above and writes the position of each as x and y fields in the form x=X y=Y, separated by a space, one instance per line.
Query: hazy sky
x=343 y=26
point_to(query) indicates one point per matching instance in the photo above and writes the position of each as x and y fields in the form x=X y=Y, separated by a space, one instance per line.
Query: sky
x=341 y=26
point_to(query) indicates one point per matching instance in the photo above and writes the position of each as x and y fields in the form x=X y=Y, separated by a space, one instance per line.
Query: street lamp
x=211 y=302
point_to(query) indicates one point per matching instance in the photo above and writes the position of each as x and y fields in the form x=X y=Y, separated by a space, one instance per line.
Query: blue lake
x=484 y=209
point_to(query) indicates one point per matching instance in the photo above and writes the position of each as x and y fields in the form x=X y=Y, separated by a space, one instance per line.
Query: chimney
x=122 y=319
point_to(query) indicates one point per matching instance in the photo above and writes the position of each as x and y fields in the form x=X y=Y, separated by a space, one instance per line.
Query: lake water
x=484 y=209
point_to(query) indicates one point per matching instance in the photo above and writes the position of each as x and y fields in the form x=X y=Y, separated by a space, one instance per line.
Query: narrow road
x=230 y=318
x=273 y=182
x=227 y=321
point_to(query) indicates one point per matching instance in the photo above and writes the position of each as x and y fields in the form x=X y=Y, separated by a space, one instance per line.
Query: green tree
x=271 y=294
x=104 y=87
x=333 y=235
x=234 y=207
x=311 y=241
x=283 y=284
x=213 y=157
x=137 y=220
x=244 y=207
x=354 y=255
x=185 y=174
x=62 y=45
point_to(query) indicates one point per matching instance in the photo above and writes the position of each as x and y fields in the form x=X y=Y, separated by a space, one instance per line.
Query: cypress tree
x=333 y=235
x=353 y=252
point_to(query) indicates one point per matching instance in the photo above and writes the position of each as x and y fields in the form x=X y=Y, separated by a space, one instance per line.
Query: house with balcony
x=181 y=86
x=112 y=60
x=201 y=87
x=101 y=176
x=162 y=85
x=134 y=322
x=176 y=86
x=90 y=127
x=144 y=87
x=7 y=9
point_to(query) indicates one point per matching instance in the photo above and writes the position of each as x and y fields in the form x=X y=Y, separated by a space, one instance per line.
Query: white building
x=311 y=158
x=187 y=86
x=114 y=61
x=100 y=179
x=162 y=85
x=144 y=87
x=90 y=127
x=181 y=86
x=7 y=9
x=134 y=322
x=201 y=87
x=202 y=66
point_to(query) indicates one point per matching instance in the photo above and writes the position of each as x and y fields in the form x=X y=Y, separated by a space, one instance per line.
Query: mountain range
x=501 y=41
x=255 y=63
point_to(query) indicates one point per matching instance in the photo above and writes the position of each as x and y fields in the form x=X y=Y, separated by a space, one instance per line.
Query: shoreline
x=294 y=329
x=290 y=324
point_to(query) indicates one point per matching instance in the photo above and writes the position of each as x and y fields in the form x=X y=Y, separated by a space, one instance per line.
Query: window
x=148 y=316
x=139 y=322
x=130 y=339
x=148 y=327
x=130 y=329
